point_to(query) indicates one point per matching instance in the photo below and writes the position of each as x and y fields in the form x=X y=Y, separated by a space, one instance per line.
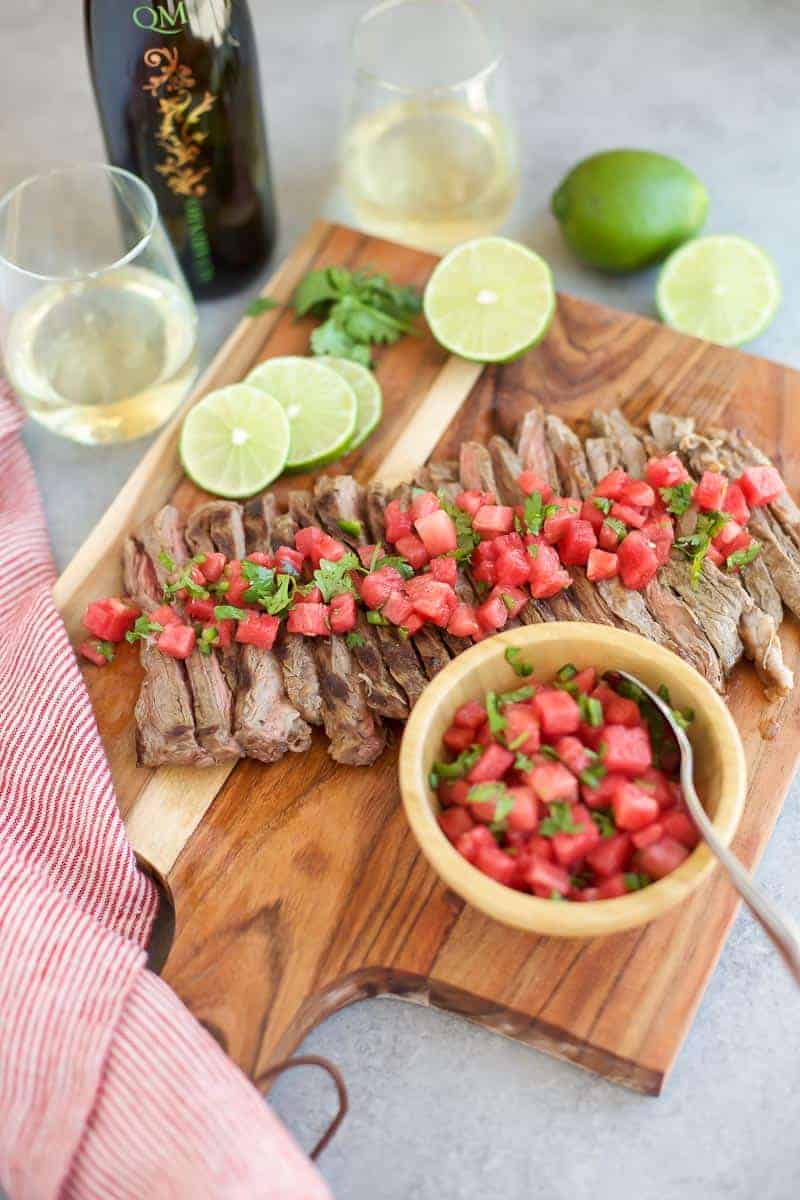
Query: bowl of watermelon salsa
x=545 y=791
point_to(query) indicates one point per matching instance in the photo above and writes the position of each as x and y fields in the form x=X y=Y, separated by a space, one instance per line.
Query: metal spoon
x=776 y=924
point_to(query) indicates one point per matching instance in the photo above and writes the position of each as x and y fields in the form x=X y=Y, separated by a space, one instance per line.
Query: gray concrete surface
x=441 y=1110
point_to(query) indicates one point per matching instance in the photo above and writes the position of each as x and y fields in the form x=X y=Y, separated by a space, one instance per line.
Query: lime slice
x=722 y=288
x=368 y=395
x=320 y=405
x=490 y=300
x=235 y=441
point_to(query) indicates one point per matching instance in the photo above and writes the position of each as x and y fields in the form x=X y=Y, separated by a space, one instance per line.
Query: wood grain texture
x=299 y=887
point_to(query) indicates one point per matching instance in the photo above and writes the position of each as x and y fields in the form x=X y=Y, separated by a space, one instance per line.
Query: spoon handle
x=779 y=927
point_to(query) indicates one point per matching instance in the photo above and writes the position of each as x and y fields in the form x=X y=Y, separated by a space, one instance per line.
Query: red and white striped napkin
x=108 y=1086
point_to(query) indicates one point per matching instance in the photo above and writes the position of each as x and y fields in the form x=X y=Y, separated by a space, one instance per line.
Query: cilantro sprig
x=696 y=545
x=536 y=512
x=678 y=498
x=183 y=581
x=333 y=578
x=358 y=310
x=513 y=658
x=466 y=537
x=142 y=629
x=273 y=591
x=741 y=558
x=559 y=821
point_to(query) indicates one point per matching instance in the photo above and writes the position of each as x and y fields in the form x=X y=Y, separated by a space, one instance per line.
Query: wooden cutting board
x=298 y=887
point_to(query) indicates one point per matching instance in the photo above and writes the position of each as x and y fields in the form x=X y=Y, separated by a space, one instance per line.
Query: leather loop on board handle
x=314 y=1060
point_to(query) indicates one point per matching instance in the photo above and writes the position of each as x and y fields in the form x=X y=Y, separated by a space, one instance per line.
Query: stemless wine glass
x=97 y=326
x=428 y=155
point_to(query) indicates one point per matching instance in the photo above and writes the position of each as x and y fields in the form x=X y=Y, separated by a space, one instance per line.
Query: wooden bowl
x=720 y=771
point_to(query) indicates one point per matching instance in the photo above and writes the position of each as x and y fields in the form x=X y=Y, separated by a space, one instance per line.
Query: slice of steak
x=398 y=654
x=684 y=634
x=339 y=498
x=784 y=508
x=535 y=454
x=612 y=603
x=356 y=735
x=266 y=723
x=263 y=533
x=343 y=705
x=218 y=526
x=507 y=468
x=668 y=429
x=301 y=507
x=756 y=629
x=165 y=728
x=773 y=578
x=161 y=538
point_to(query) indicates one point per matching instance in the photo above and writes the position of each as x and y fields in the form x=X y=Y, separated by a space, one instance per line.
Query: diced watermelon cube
x=637 y=560
x=555 y=527
x=458 y=738
x=573 y=753
x=552 y=781
x=370 y=553
x=495 y=863
x=634 y=518
x=422 y=504
x=558 y=713
x=455 y=822
x=524 y=816
x=464 y=622
x=521 y=721
x=665 y=472
x=309 y=619
x=513 y=598
x=680 y=826
x=570 y=847
x=761 y=485
x=470 y=501
x=660 y=531
x=585 y=680
x=289 y=562
x=601 y=564
x=397 y=521
x=735 y=504
x=378 y=586
x=529 y=482
x=647 y=835
x=627 y=750
x=492 y=614
x=470 y=715
x=611 y=888
x=608 y=538
x=453 y=791
x=591 y=513
x=710 y=491
x=469 y=843
x=547 y=576
x=413 y=550
x=577 y=543
x=444 y=570
x=177 y=640
x=343 y=613
x=492 y=764
x=512 y=566
x=611 y=854
x=661 y=858
x=213 y=566
x=493 y=519
x=544 y=878
x=91 y=651
x=397 y=608
x=603 y=794
x=438 y=533
x=633 y=807
x=638 y=493
x=611 y=485
x=314 y=544
x=431 y=600
x=200 y=610
x=110 y=619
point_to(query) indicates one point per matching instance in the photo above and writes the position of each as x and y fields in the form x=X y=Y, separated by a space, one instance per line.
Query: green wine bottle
x=177 y=89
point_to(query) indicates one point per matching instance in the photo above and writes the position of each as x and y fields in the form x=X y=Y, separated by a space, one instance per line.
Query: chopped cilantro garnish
x=142 y=629
x=554 y=895
x=559 y=820
x=497 y=721
x=548 y=752
x=185 y=583
x=512 y=657
x=635 y=882
x=591 y=776
x=376 y=618
x=741 y=558
x=353 y=640
x=456 y=769
x=678 y=499
x=508 y=601
x=603 y=503
x=208 y=638
x=466 y=537
x=591 y=710
x=567 y=672
x=106 y=649
x=166 y=561
x=522 y=762
x=604 y=820
x=229 y=612
x=333 y=578
x=536 y=512
x=617 y=527
x=354 y=528
x=696 y=545
x=515 y=697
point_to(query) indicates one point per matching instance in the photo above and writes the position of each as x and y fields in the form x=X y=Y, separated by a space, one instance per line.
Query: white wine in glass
x=428 y=154
x=99 y=328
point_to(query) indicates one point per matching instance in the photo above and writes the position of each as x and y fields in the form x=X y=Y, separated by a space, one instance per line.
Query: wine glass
x=428 y=154
x=98 y=329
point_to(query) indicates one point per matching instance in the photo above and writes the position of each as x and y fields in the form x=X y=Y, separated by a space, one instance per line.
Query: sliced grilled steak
x=295 y=654
x=165 y=729
x=399 y=655
x=536 y=455
x=340 y=498
x=756 y=629
x=613 y=603
x=784 y=508
x=355 y=733
x=507 y=468
x=773 y=578
x=162 y=540
x=684 y=633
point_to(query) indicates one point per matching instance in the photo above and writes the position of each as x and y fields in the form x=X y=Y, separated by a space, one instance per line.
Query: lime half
x=320 y=404
x=368 y=395
x=235 y=441
x=722 y=288
x=490 y=300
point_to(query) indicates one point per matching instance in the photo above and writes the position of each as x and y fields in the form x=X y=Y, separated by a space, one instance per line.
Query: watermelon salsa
x=317 y=586
x=567 y=790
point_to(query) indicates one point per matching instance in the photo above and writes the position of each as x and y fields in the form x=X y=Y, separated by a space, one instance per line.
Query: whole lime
x=623 y=209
